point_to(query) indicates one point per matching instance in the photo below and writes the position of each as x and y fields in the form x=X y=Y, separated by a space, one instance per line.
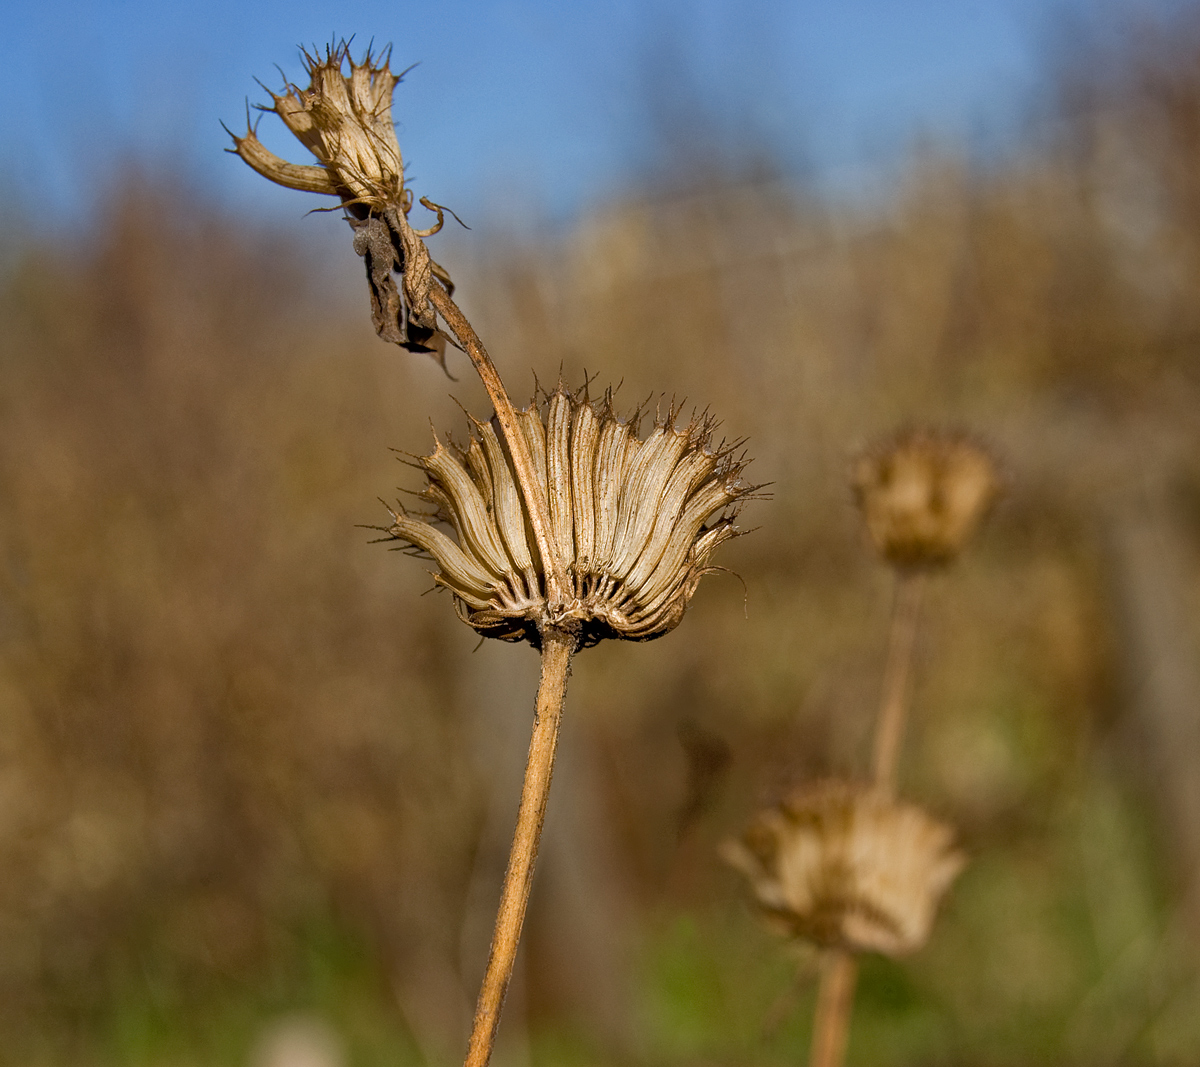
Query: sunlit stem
x=557 y=649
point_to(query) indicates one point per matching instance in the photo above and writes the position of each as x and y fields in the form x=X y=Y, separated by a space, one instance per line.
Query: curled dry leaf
x=345 y=121
x=634 y=522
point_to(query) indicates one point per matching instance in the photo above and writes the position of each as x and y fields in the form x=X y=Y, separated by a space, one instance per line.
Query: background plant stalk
x=893 y=705
x=835 y=995
x=557 y=649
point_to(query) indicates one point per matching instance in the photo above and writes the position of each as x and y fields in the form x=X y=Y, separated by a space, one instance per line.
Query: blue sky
x=519 y=105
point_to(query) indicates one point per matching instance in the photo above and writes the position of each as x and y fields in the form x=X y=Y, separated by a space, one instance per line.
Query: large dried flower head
x=922 y=494
x=844 y=866
x=634 y=522
x=345 y=121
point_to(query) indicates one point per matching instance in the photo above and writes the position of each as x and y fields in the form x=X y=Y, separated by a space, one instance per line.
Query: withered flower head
x=345 y=121
x=843 y=866
x=922 y=495
x=634 y=522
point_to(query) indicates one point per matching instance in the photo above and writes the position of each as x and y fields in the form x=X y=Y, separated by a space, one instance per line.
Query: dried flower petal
x=634 y=522
x=844 y=866
x=923 y=494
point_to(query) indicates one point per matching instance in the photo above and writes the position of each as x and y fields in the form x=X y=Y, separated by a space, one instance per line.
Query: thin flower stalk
x=557 y=649
x=893 y=704
x=835 y=997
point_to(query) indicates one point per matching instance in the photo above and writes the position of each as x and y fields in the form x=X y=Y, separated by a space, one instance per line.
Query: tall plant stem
x=893 y=705
x=531 y=486
x=835 y=997
x=557 y=648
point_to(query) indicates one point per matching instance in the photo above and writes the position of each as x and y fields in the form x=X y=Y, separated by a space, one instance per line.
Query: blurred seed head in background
x=922 y=494
x=842 y=865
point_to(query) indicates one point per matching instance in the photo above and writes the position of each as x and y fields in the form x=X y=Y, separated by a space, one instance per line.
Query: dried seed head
x=345 y=121
x=922 y=495
x=634 y=522
x=844 y=866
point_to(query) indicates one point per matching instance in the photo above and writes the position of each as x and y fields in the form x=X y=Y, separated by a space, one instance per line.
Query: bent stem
x=531 y=487
x=893 y=705
x=557 y=648
x=834 y=1000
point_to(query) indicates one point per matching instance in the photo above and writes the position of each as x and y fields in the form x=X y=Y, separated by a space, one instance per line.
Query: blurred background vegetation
x=256 y=791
